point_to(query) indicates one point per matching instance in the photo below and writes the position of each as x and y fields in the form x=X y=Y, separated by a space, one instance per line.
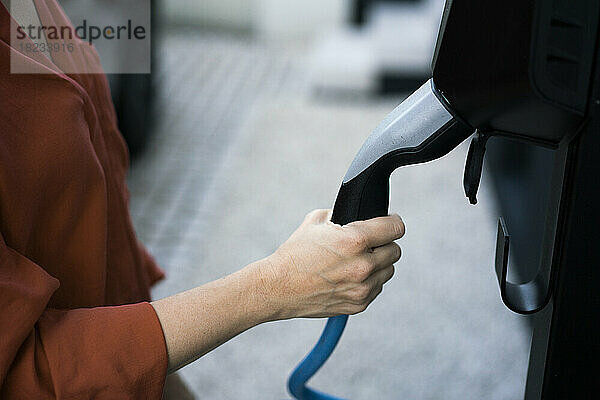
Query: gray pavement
x=232 y=171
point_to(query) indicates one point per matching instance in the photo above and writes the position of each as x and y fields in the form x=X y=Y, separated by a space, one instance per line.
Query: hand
x=322 y=270
x=325 y=269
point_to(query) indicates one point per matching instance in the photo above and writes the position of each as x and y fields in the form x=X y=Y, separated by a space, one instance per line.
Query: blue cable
x=315 y=360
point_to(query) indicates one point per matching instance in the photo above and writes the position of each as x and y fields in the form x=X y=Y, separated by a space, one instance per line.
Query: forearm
x=322 y=270
x=198 y=320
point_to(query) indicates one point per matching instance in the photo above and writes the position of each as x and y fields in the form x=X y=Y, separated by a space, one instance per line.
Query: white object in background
x=343 y=61
x=404 y=35
x=298 y=19
x=229 y=14
x=397 y=38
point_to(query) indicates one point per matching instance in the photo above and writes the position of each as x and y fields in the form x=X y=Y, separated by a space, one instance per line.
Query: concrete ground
x=242 y=152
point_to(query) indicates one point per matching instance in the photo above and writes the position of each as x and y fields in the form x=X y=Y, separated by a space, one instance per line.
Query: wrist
x=265 y=280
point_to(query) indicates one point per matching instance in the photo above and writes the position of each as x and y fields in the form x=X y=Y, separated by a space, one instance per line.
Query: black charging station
x=529 y=71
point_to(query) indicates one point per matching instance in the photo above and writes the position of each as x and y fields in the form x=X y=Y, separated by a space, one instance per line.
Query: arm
x=119 y=351
x=101 y=352
x=322 y=270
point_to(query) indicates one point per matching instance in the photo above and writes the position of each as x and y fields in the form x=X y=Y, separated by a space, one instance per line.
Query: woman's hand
x=322 y=270
x=325 y=269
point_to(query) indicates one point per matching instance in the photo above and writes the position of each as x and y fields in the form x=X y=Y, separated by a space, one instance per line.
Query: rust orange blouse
x=75 y=321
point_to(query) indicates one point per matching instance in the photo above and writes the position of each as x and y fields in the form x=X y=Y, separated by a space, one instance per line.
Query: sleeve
x=102 y=352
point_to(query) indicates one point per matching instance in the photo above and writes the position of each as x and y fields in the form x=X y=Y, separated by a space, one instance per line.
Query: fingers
x=371 y=264
x=381 y=230
x=384 y=256
x=366 y=292
x=381 y=276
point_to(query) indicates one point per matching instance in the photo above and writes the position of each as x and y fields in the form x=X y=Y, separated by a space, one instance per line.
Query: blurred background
x=252 y=113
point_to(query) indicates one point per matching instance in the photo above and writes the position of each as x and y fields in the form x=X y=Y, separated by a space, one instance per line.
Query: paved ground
x=243 y=152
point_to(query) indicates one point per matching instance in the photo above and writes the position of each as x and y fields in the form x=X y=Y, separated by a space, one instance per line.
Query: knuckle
x=356 y=240
x=362 y=271
x=313 y=215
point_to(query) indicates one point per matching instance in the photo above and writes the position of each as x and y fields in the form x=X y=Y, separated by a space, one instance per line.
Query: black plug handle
x=420 y=129
x=367 y=194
